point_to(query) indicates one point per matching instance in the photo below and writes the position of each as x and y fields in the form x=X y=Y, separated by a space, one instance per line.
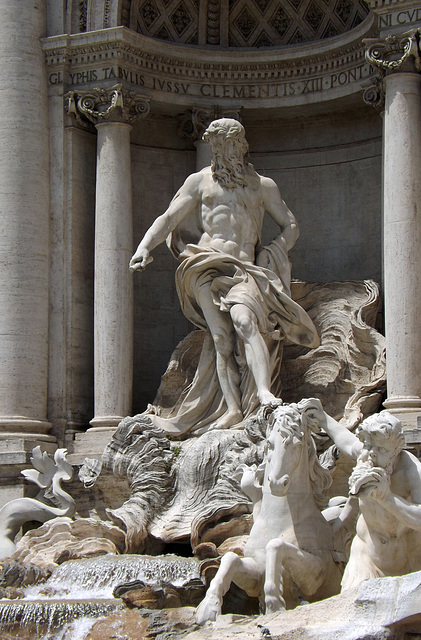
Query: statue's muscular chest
x=230 y=212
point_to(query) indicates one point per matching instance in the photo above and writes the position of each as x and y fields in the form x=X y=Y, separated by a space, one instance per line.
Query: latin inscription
x=210 y=90
x=284 y=89
x=410 y=16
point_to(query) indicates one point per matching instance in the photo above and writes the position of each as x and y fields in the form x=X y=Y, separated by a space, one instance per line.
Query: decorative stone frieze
x=395 y=16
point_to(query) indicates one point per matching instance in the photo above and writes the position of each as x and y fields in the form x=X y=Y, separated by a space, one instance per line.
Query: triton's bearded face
x=382 y=438
x=229 y=146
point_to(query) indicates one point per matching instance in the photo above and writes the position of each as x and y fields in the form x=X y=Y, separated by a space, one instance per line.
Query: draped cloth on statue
x=266 y=291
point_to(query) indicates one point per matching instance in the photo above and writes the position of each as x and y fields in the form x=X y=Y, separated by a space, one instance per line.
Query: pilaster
x=24 y=225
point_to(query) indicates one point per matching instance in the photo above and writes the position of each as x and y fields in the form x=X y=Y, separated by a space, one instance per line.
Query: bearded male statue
x=230 y=286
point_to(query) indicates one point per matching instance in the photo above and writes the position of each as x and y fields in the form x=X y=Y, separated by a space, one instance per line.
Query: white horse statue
x=288 y=556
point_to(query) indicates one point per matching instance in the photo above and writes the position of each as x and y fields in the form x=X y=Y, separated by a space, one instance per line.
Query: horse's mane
x=320 y=477
x=291 y=424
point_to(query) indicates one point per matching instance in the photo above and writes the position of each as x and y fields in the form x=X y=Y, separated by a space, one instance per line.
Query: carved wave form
x=206 y=497
x=141 y=452
x=347 y=372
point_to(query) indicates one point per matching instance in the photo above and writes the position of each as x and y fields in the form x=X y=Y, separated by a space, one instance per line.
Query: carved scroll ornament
x=391 y=53
x=373 y=94
x=99 y=105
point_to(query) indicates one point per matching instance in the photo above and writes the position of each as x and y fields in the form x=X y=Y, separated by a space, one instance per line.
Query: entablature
x=182 y=75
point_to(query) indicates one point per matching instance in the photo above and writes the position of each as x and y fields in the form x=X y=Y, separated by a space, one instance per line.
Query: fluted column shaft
x=113 y=307
x=402 y=240
x=24 y=222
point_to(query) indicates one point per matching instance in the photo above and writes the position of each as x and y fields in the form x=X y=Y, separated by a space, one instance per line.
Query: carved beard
x=229 y=171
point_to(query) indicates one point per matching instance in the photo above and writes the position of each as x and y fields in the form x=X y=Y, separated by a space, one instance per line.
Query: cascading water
x=82 y=590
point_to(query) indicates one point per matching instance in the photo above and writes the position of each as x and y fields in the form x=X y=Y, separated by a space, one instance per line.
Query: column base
x=406 y=408
x=92 y=442
x=31 y=429
x=104 y=423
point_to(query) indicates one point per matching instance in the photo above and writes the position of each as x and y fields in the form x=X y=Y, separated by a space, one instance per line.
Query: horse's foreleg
x=211 y=606
x=306 y=570
x=273 y=586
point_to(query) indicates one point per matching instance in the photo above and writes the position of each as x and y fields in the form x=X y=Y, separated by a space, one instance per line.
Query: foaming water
x=82 y=590
x=46 y=618
x=97 y=577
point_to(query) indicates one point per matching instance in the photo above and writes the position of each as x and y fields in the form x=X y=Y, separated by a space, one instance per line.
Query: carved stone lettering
x=397 y=18
x=261 y=91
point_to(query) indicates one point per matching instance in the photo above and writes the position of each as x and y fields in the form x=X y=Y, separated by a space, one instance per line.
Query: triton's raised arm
x=317 y=419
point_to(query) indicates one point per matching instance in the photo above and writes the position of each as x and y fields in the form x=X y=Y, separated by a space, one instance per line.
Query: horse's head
x=285 y=442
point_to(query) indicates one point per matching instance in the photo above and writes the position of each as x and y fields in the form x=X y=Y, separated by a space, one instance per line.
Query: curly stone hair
x=384 y=424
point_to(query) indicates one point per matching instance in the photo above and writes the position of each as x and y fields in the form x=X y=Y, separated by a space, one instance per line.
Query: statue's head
x=382 y=438
x=225 y=131
x=229 y=146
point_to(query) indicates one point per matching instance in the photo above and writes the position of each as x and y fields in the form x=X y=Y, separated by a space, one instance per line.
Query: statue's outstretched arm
x=183 y=203
x=344 y=439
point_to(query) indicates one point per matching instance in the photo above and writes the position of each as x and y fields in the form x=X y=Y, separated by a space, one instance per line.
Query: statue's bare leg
x=307 y=570
x=257 y=355
x=221 y=329
x=242 y=571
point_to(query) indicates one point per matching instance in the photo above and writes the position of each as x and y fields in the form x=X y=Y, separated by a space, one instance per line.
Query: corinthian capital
x=99 y=105
x=392 y=53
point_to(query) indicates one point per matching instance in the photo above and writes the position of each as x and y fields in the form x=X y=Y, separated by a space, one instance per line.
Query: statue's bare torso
x=231 y=218
x=383 y=535
x=389 y=498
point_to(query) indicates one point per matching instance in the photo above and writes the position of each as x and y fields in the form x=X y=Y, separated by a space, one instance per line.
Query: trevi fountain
x=263 y=494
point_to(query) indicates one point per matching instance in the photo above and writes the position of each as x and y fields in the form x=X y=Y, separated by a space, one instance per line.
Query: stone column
x=113 y=111
x=399 y=60
x=24 y=224
x=113 y=298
